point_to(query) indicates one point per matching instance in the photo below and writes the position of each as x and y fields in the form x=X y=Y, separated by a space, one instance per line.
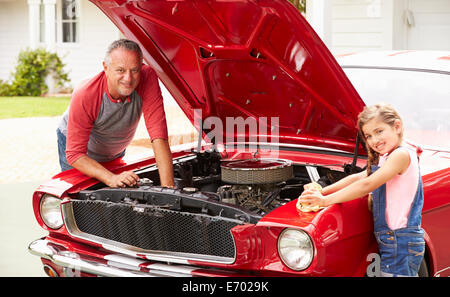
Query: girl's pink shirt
x=400 y=192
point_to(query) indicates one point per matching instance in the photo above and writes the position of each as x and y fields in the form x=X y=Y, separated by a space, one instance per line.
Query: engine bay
x=243 y=190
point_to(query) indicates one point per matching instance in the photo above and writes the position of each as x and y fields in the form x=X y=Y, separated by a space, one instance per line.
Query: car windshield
x=422 y=97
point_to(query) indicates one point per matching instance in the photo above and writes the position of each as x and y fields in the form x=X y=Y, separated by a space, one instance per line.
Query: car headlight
x=50 y=210
x=295 y=249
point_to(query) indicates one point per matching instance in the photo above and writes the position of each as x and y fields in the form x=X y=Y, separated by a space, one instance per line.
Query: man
x=104 y=113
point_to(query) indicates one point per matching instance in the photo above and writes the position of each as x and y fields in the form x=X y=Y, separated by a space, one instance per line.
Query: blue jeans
x=401 y=250
x=62 y=151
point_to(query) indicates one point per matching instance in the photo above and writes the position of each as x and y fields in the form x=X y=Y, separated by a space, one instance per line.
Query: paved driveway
x=29 y=156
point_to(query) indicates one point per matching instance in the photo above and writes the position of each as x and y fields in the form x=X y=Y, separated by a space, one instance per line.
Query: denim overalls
x=401 y=250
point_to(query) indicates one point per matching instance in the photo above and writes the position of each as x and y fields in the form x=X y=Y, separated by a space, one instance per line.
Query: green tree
x=300 y=4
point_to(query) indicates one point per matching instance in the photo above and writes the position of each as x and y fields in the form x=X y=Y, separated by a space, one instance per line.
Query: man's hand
x=122 y=180
x=92 y=168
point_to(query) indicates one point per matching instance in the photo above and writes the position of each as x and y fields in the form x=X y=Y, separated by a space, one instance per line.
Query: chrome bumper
x=111 y=265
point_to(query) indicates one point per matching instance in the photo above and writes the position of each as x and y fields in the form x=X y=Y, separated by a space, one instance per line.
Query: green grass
x=24 y=107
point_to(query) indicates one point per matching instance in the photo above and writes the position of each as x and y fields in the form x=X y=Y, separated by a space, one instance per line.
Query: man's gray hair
x=125 y=44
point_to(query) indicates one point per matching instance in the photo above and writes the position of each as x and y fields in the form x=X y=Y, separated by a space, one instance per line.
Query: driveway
x=29 y=156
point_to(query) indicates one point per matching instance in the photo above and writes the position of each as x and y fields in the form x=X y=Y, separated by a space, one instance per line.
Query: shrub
x=5 y=88
x=32 y=68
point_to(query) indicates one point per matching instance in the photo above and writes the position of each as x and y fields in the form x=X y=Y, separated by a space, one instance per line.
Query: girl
x=393 y=178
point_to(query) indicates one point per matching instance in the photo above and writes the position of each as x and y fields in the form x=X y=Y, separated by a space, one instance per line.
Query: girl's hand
x=313 y=186
x=311 y=200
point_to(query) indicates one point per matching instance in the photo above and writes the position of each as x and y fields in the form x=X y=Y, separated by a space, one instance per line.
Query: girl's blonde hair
x=385 y=113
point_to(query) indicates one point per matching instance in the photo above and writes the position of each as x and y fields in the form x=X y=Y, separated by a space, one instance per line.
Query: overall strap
x=379 y=206
x=415 y=212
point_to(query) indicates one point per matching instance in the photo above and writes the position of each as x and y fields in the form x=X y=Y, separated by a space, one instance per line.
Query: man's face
x=122 y=73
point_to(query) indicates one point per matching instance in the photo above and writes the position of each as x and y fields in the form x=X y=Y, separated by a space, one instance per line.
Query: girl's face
x=381 y=137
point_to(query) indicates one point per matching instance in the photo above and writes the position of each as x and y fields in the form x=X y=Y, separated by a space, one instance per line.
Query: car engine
x=212 y=196
x=247 y=189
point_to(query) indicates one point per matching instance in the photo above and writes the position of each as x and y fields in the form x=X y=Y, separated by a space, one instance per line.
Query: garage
x=427 y=22
x=366 y=25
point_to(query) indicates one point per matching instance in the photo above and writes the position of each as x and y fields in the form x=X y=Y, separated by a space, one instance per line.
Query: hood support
x=352 y=168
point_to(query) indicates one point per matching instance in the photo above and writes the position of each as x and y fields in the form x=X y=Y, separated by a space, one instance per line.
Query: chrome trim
x=73 y=263
x=286 y=163
x=396 y=68
x=118 y=247
x=313 y=173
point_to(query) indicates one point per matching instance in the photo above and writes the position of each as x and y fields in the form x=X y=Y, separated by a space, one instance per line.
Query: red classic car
x=276 y=112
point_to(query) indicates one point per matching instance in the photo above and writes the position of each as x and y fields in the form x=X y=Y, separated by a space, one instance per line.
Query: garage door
x=428 y=24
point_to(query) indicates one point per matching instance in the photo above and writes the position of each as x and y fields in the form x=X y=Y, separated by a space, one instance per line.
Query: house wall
x=360 y=25
x=82 y=59
x=96 y=33
x=13 y=34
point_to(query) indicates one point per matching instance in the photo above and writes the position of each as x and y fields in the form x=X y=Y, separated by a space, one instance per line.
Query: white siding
x=84 y=59
x=360 y=25
x=13 y=34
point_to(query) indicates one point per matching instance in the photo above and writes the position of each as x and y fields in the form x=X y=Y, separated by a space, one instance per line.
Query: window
x=66 y=22
x=69 y=21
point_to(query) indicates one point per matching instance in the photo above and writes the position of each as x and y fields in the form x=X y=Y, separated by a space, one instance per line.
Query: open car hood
x=259 y=60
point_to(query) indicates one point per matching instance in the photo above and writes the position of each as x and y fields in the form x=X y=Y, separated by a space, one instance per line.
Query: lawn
x=23 y=107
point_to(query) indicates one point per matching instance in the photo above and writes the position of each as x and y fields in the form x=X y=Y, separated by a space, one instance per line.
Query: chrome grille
x=155 y=229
